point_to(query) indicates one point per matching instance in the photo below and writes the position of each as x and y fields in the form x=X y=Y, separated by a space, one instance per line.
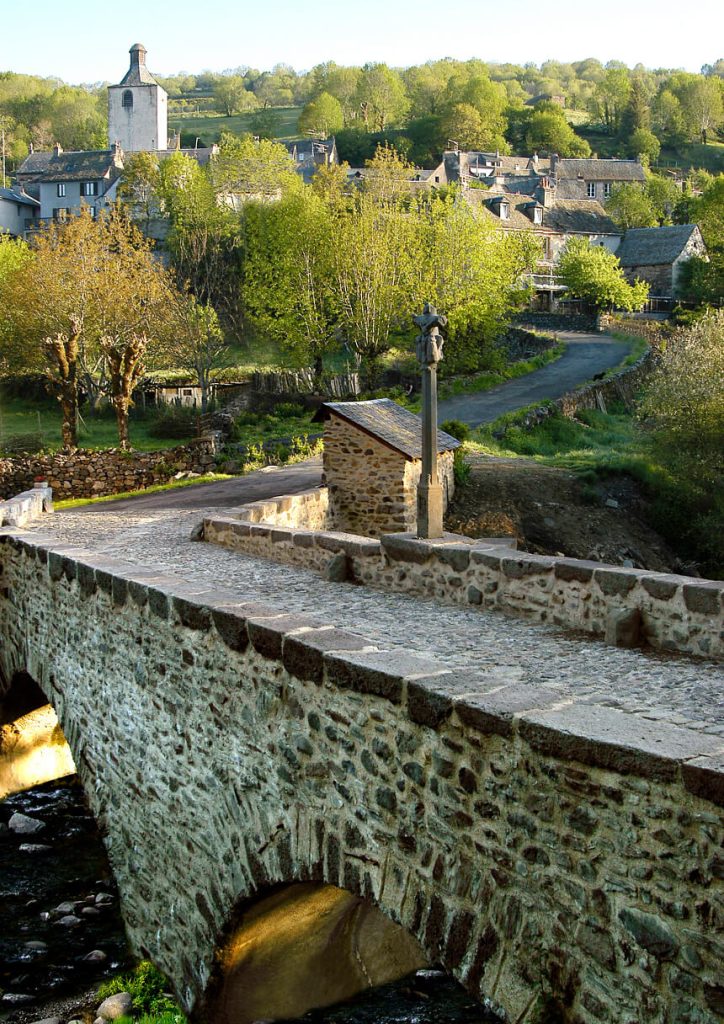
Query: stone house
x=372 y=464
x=309 y=154
x=593 y=178
x=18 y=211
x=657 y=255
x=64 y=182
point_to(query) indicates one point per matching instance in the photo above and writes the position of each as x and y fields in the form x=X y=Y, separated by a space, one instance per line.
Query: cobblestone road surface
x=675 y=689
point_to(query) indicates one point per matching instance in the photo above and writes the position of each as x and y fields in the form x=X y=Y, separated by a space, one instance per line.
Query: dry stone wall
x=669 y=612
x=548 y=856
x=373 y=489
x=85 y=473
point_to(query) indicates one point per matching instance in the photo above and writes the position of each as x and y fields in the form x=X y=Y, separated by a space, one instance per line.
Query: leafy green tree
x=140 y=187
x=388 y=177
x=637 y=206
x=593 y=274
x=462 y=124
x=232 y=97
x=194 y=340
x=612 y=97
x=426 y=86
x=14 y=254
x=342 y=83
x=470 y=86
x=288 y=273
x=548 y=131
x=247 y=168
x=643 y=144
x=381 y=97
x=702 y=103
x=667 y=118
x=322 y=116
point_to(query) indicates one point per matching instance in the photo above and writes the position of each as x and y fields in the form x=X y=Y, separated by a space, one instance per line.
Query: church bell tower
x=138 y=109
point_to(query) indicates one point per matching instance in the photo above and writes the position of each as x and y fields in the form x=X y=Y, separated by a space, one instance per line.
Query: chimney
x=554 y=163
x=57 y=149
x=545 y=193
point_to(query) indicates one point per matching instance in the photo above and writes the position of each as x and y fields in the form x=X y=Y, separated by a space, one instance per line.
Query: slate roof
x=646 y=247
x=582 y=216
x=593 y=169
x=87 y=165
x=387 y=422
x=18 y=197
x=138 y=73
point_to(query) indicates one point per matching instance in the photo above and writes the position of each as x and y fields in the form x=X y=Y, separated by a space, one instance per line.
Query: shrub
x=173 y=421
x=148 y=989
x=457 y=429
x=289 y=410
x=461 y=468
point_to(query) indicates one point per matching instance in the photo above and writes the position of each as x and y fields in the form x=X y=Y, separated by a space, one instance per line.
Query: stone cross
x=429 y=344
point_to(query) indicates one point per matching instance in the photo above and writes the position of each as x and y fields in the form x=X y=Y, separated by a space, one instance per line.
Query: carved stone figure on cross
x=429 y=341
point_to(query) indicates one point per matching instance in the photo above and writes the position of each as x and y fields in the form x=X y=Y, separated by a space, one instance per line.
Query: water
x=73 y=869
x=65 y=862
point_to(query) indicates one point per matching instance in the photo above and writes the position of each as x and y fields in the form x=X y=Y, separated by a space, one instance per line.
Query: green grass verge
x=209 y=126
x=172 y=485
x=491 y=378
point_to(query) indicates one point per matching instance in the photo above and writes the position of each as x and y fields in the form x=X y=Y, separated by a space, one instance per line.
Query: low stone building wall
x=555 y=858
x=25 y=507
x=373 y=489
x=86 y=473
x=668 y=612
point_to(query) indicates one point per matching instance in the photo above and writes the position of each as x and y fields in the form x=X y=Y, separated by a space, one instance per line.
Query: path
x=585 y=356
x=674 y=690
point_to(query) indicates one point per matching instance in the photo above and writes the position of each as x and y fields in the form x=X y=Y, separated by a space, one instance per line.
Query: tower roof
x=138 y=73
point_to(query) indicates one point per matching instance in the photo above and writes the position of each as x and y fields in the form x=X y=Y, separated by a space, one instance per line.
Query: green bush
x=289 y=410
x=149 y=990
x=461 y=468
x=456 y=429
x=174 y=421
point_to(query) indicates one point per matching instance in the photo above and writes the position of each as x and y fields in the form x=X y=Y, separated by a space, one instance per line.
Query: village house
x=64 y=183
x=19 y=212
x=310 y=154
x=593 y=178
x=658 y=255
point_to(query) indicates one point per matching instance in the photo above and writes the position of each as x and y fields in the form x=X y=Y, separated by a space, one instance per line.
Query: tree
x=245 y=167
x=593 y=274
x=90 y=292
x=231 y=95
x=388 y=176
x=195 y=341
x=288 y=273
x=612 y=96
x=631 y=207
x=14 y=254
x=139 y=187
x=701 y=101
x=549 y=131
x=342 y=83
x=462 y=124
x=322 y=116
x=643 y=144
x=381 y=97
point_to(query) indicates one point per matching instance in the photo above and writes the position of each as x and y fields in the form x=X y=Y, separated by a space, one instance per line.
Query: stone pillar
x=429 y=491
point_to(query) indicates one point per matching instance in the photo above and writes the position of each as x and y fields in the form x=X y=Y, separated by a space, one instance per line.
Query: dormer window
x=504 y=210
x=537 y=215
x=127 y=101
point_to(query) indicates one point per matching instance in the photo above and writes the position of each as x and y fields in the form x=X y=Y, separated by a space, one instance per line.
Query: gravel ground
x=679 y=690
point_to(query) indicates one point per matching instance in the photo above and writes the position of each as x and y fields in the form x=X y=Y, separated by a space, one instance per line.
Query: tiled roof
x=18 y=197
x=645 y=247
x=389 y=423
x=88 y=165
x=600 y=170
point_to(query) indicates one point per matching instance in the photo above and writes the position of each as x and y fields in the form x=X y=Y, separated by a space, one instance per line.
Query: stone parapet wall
x=26 y=507
x=556 y=858
x=670 y=613
x=86 y=473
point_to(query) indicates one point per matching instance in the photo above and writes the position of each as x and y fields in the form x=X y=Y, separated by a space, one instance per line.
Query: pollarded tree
x=593 y=274
x=322 y=116
x=195 y=341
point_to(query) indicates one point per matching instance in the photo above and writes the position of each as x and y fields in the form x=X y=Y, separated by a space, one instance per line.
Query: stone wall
x=671 y=613
x=372 y=488
x=25 y=507
x=86 y=473
x=546 y=855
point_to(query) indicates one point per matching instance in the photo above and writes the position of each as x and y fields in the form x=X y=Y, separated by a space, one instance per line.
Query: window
x=504 y=211
x=537 y=215
x=89 y=188
x=591 y=189
x=607 y=190
x=60 y=214
x=127 y=101
x=61 y=190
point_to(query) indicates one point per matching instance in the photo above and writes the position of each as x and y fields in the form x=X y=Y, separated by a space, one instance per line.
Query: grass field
x=18 y=417
x=207 y=127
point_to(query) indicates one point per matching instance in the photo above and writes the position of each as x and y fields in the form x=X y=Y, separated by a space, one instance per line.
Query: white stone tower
x=138 y=108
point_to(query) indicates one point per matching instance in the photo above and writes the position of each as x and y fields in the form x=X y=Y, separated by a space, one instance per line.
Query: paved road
x=264 y=483
x=585 y=356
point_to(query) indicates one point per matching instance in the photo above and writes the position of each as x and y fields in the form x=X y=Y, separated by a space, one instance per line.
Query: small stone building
x=657 y=255
x=372 y=465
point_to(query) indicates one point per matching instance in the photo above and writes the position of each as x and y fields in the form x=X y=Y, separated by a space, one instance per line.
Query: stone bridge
x=560 y=857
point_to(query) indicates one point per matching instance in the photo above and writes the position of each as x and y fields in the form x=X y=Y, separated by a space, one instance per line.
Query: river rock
x=103 y=899
x=65 y=908
x=49 y=1020
x=90 y=912
x=24 y=825
x=37 y=946
x=34 y=848
x=96 y=956
x=119 y=1005
x=69 y=921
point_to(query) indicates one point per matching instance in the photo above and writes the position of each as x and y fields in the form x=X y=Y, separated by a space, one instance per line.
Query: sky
x=74 y=41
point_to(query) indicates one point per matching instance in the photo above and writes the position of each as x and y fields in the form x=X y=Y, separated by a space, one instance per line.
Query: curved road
x=585 y=356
